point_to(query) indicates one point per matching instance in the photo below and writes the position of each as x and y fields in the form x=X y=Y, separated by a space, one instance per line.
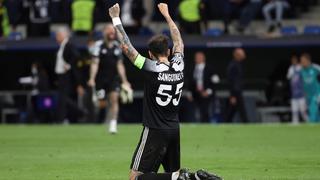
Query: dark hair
x=158 y=45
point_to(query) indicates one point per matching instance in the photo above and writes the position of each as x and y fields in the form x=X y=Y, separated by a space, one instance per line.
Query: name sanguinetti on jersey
x=170 y=77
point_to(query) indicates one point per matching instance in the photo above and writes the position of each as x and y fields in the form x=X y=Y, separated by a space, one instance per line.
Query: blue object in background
x=166 y=32
x=145 y=31
x=312 y=30
x=213 y=32
x=289 y=30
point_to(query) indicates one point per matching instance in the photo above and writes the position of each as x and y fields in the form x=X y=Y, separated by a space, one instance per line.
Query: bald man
x=108 y=73
x=235 y=81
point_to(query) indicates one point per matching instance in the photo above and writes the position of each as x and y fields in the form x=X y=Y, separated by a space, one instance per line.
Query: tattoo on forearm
x=126 y=45
x=176 y=37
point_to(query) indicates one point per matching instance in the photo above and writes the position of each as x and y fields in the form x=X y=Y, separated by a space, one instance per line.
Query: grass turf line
x=236 y=152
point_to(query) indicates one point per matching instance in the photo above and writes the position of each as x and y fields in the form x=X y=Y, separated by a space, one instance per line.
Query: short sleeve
x=95 y=49
x=149 y=65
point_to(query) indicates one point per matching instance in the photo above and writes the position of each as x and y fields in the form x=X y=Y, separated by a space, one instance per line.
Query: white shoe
x=113 y=127
x=66 y=122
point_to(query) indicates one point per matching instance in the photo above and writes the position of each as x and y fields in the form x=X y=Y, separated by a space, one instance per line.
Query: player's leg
x=148 y=157
x=303 y=109
x=295 y=111
x=149 y=152
x=242 y=108
x=313 y=109
x=113 y=97
x=231 y=110
x=171 y=161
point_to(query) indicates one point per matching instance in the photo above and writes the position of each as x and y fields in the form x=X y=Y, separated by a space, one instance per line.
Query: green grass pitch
x=236 y=152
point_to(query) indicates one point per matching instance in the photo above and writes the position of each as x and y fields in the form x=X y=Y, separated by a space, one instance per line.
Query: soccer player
x=298 y=101
x=160 y=139
x=106 y=72
x=310 y=74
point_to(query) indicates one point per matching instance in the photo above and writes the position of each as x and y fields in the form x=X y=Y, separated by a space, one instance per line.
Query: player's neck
x=164 y=60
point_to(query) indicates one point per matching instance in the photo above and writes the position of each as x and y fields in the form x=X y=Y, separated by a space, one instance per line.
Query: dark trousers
x=229 y=11
x=238 y=107
x=67 y=100
x=203 y=104
x=249 y=12
x=87 y=104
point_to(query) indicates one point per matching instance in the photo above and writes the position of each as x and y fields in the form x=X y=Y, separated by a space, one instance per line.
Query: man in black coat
x=201 y=85
x=235 y=82
x=69 y=78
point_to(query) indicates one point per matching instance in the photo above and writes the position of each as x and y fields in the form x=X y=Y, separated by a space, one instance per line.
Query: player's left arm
x=123 y=38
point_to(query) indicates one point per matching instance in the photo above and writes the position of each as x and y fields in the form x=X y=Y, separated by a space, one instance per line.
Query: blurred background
x=238 y=56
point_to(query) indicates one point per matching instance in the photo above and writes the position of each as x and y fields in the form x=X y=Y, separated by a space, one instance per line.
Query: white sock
x=196 y=176
x=113 y=126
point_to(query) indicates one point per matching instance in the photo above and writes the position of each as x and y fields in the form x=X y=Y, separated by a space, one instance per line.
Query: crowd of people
x=192 y=15
x=106 y=80
x=105 y=84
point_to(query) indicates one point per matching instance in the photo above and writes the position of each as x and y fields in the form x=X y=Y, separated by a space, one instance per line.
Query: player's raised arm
x=178 y=45
x=123 y=38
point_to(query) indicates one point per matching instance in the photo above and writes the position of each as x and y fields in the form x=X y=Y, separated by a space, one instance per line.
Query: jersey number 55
x=165 y=90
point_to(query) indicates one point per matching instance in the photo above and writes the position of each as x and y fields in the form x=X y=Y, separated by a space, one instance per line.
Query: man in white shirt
x=69 y=78
x=201 y=86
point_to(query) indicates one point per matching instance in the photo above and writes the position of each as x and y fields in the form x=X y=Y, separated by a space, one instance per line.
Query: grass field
x=88 y=152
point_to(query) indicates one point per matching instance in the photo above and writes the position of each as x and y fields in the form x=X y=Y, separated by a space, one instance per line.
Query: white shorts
x=298 y=105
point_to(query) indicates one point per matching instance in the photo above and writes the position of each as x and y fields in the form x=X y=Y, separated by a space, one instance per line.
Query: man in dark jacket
x=69 y=77
x=235 y=80
x=202 y=86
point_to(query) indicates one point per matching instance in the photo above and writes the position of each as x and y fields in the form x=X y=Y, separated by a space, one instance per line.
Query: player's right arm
x=94 y=67
x=126 y=46
x=178 y=45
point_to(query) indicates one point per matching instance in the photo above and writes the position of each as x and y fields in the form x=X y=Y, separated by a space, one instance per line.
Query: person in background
x=82 y=16
x=108 y=72
x=190 y=16
x=235 y=81
x=278 y=6
x=248 y=13
x=149 y=12
x=298 y=102
x=132 y=14
x=202 y=86
x=310 y=75
x=39 y=18
x=4 y=20
x=229 y=9
x=69 y=78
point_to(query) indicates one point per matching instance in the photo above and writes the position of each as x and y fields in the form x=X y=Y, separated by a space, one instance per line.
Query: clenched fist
x=114 y=11
x=163 y=8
